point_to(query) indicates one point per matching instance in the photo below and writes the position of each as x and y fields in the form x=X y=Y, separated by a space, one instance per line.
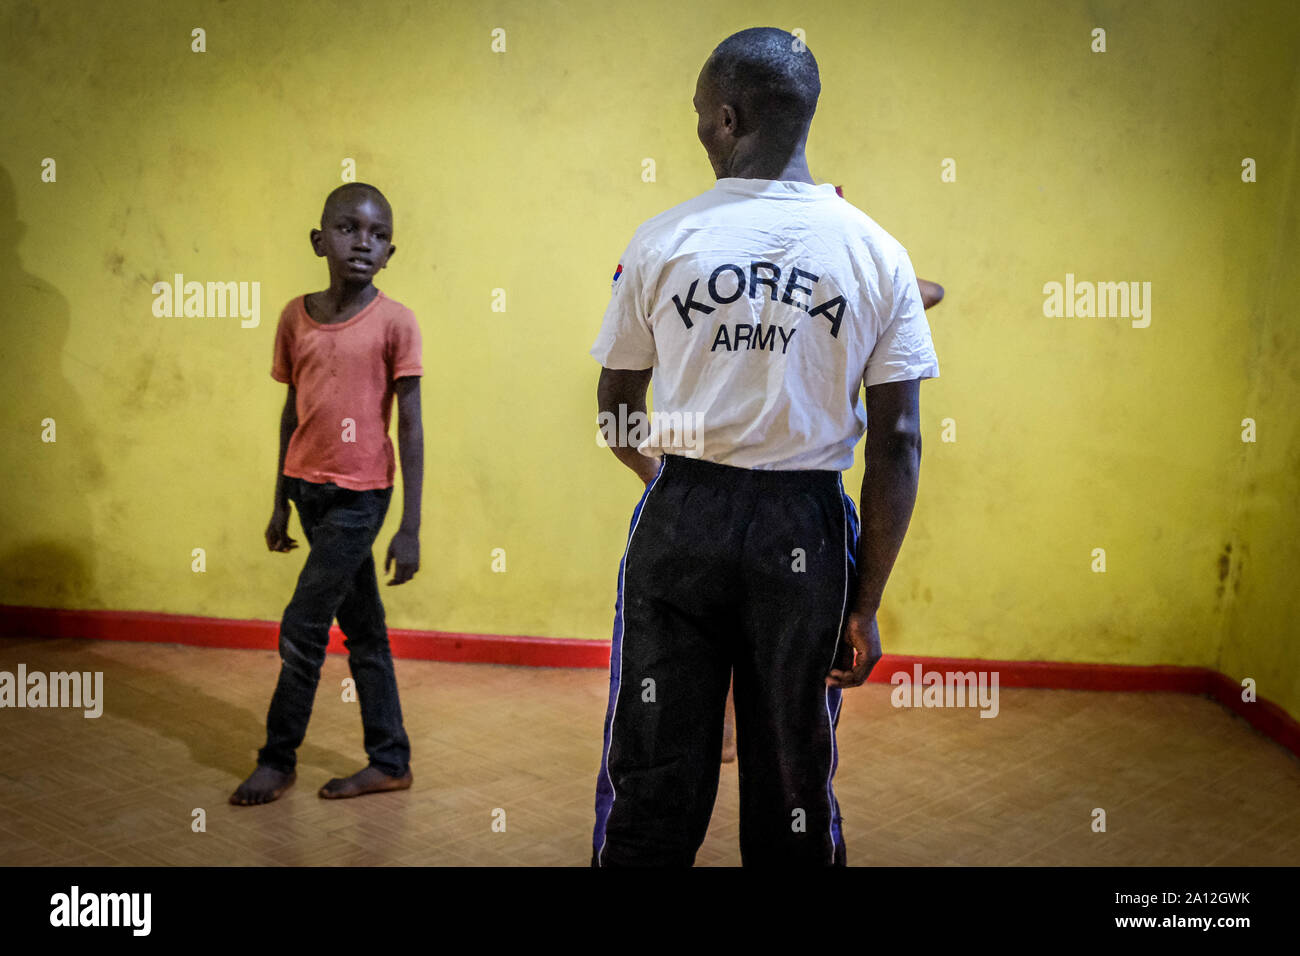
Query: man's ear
x=392 y=251
x=316 y=237
x=729 y=120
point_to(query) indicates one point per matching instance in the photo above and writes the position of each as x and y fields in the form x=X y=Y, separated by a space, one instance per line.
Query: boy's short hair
x=348 y=191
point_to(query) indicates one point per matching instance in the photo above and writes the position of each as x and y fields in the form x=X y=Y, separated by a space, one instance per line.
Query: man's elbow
x=902 y=442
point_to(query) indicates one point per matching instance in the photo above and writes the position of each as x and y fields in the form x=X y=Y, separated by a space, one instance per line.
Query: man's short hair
x=771 y=77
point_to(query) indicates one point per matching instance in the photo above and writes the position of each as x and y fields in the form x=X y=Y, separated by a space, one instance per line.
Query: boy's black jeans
x=338 y=580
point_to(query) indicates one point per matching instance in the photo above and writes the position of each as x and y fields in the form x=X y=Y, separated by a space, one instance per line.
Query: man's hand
x=277 y=531
x=859 y=651
x=648 y=472
x=404 y=550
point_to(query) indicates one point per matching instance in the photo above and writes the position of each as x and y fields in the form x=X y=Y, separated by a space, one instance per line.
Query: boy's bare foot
x=263 y=786
x=365 y=781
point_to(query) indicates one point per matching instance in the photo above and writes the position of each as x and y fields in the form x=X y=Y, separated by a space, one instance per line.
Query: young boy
x=344 y=353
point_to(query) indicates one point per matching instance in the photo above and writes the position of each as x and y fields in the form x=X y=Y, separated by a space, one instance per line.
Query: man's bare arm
x=619 y=394
x=893 y=468
x=889 y=482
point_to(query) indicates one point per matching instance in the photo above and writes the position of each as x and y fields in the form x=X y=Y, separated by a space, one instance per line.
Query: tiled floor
x=1182 y=781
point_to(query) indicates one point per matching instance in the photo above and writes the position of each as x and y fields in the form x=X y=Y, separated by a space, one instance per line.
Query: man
x=760 y=308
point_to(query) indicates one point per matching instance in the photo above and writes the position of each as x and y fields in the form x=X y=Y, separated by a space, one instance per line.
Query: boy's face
x=355 y=238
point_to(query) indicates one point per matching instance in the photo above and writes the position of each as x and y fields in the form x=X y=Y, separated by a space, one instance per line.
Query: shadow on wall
x=47 y=543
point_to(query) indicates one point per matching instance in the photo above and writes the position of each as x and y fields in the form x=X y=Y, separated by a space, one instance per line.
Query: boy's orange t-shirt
x=345 y=371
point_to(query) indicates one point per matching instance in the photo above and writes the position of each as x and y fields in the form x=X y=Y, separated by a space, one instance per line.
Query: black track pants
x=727 y=568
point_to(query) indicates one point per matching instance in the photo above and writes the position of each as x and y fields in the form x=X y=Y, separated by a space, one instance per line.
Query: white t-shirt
x=763 y=306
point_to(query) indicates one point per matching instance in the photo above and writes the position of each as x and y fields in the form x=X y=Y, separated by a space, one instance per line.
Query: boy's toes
x=369 y=780
x=262 y=786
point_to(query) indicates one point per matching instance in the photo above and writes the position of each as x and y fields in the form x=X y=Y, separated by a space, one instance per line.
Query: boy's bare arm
x=404 y=551
x=277 y=531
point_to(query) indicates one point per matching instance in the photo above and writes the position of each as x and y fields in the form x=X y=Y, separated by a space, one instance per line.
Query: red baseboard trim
x=15 y=621
x=1264 y=715
x=264 y=635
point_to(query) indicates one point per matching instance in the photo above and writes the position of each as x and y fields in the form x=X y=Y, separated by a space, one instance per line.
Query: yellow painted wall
x=1262 y=589
x=522 y=171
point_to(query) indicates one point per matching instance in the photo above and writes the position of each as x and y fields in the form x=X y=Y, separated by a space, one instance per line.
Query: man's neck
x=793 y=168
